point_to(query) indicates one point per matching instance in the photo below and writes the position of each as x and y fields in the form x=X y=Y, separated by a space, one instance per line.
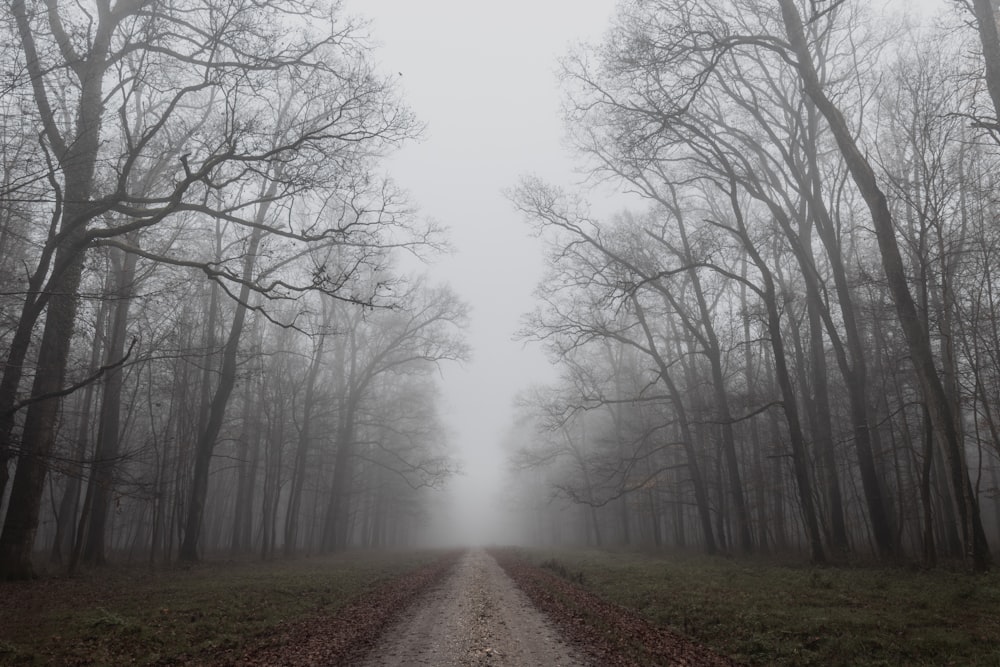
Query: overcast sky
x=481 y=75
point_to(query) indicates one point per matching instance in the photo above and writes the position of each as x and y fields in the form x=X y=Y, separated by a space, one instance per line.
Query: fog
x=374 y=275
x=482 y=76
x=698 y=301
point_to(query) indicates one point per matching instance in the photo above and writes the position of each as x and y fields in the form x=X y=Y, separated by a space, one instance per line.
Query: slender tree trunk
x=759 y=483
x=926 y=500
x=240 y=541
x=788 y=395
x=852 y=363
x=304 y=441
x=713 y=352
x=974 y=536
x=108 y=445
x=227 y=380
x=69 y=506
x=335 y=531
x=687 y=438
x=778 y=490
x=823 y=426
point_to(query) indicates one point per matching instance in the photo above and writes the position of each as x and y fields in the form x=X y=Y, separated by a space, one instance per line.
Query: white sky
x=481 y=75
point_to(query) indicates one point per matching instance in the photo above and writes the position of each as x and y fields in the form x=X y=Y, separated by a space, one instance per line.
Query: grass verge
x=209 y=614
x=768 y=614
x=612 y=635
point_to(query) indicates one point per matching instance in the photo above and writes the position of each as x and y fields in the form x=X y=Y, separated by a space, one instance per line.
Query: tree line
x=792 y=344
x=208 y=342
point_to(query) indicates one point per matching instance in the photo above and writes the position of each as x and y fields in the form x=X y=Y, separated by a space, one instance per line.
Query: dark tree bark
x=977 y=549
x=207 y=438
x=77 y=158
x=704 y=330
x=687 y=437
x=989 y=37
x=305 y=437
x=790 y=401
x=109 y=420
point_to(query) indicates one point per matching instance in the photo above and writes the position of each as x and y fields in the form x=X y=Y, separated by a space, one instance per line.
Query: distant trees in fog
x=793 y=344
x=205 y=343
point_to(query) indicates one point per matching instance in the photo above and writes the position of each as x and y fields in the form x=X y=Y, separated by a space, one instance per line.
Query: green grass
x=770 y=614
x=120 y=616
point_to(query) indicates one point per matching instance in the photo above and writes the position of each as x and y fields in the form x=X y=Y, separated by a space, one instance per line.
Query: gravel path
x=477 y=616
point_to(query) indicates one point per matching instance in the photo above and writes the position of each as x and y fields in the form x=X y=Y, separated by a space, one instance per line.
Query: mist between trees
x=207 y=345
x=791 y=346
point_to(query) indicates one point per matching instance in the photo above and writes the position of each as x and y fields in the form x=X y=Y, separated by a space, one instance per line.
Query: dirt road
x=477 y=616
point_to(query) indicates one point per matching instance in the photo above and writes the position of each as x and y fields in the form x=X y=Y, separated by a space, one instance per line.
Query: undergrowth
x=767 y=614
x=118 y=616
x=559 y=568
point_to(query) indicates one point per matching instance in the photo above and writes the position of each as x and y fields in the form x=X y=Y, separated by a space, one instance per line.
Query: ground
x=477 y=616
x=487 y=608
x=364 y=608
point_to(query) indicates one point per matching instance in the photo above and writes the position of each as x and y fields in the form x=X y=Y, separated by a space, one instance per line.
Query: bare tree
x=219 y=93
x=423 y=332
x=921 y=353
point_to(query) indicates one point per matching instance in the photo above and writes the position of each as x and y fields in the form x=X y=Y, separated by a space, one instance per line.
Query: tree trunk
x=687 y=438
x=18 y=537
x=759 y=480
x=823 y=426
x=788 y=395
x=335 y=531
x=245 y=471
x=989 y=37
x=974 y=537
x=69 y=506
x=108 y=431
x=217 y=411
x=304 y=441
x=77 y=159
x=713 y=352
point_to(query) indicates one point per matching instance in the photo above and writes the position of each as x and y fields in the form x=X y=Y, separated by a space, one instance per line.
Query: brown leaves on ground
x=612 y=634
x=341 y=638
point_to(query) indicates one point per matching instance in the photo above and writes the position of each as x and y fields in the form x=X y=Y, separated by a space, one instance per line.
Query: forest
x=209 y=343
x=217 y=337
x=223 y=353
x=791 y=345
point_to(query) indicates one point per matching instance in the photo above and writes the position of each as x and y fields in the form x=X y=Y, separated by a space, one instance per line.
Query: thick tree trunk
x=77 y=159
x=989 y=37
x=18 y=538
